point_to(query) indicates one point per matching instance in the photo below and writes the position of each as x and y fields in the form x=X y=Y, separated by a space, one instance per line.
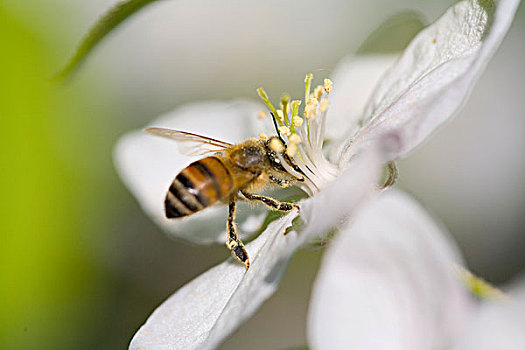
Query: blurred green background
x=82 y=267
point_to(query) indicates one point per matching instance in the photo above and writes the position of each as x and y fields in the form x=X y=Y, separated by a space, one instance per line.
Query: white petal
x=343 y=196
x=205 y=311
x=499 y=324
x=354 y=80
x=436 y=72
x=387 y=282
x=148 y=164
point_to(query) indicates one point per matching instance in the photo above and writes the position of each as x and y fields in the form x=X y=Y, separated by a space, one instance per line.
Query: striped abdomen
x=199 y=185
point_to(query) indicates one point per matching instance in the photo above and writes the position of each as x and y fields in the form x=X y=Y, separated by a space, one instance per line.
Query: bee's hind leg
x=271 y=203
x=233 y=242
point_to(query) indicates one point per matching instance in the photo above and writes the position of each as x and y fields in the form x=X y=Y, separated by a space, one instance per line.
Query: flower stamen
x=297 y=121
x=304 y=141
x=266 y=100
x=295 y=115
x=328 y=85
x=285 y=101
x=284 y=130
x=318 y=92
x=324 y=105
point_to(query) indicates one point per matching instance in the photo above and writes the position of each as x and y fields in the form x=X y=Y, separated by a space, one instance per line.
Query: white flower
x=387 y=282
x=424 y=87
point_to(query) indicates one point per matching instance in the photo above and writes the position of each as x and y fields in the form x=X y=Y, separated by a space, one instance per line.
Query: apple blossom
x=423 y=88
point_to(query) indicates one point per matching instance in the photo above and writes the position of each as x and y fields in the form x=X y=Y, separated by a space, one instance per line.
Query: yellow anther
x=318 y=92
x=310 y=112
x=284 y=130
x=280 y=114
x=328 y=85
x=324 y=105
x=297 y=121
x=263 y=136
x=276 y=145
x=294 y=139
x=291 y=149
x=313 y=102
x=262 y=114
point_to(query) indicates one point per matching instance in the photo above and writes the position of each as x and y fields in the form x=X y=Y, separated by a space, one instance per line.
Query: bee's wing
x=190 y=144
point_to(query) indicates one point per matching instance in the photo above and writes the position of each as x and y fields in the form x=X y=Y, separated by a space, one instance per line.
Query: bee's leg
x=270 y=202
x=283 y=182
x=280 y=182
x=233 y=242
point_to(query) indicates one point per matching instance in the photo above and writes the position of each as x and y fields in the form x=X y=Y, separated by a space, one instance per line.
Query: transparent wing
x=190 y=144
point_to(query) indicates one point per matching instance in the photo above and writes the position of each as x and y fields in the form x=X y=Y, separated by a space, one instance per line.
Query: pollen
x=318 y=92
x=328 y=85
x=310 y=111
x=297 y=121
x=276 y=145
x=262 y=114
x=284 y=130
x=313 y=102
x=294 y=139
x=291 y=149
x=263 y=136
x=324 y=105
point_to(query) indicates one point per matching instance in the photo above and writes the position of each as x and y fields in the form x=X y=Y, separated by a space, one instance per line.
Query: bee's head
x=276 y=151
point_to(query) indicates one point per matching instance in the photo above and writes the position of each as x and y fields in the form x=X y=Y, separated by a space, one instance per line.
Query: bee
x=229 y=172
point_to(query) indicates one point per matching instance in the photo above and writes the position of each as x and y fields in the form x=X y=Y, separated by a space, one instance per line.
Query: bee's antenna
x=277 y=128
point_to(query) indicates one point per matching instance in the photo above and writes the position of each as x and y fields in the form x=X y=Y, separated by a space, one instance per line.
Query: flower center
x=304 y=140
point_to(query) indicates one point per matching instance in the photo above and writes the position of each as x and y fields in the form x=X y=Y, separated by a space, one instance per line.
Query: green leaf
x=394 y=34
x=109 y=21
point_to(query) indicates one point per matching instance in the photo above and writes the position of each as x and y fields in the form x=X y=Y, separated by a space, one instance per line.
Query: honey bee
x=232 y=172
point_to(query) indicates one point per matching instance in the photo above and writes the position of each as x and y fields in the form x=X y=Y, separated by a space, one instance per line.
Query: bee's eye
x=274 y=161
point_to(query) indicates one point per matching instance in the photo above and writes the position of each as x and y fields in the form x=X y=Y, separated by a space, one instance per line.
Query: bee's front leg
x=283 y=182
x=280 y=182
x=271 y=203
x=233 y=242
